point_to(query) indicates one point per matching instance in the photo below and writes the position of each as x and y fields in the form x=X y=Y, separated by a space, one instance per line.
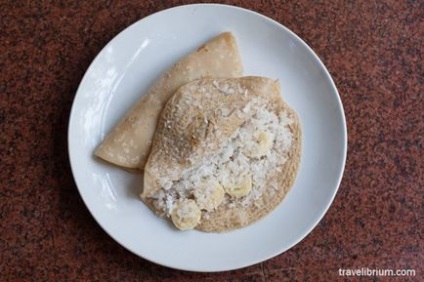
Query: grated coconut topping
x=230 y=160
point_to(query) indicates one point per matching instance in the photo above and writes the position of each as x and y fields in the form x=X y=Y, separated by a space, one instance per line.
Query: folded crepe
x=128 y=144
x=225 y=154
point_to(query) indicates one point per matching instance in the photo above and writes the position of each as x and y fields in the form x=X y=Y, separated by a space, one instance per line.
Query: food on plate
x=225 y=153
x=218 y=151
x=128 y=144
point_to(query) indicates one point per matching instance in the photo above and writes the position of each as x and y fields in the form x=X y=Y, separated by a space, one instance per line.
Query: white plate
x=129 y=64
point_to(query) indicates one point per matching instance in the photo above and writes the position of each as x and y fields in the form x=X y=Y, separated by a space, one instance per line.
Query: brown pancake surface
x=235 y=132
x=129 y=142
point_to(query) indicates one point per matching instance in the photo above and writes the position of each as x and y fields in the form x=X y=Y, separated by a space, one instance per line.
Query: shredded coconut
x=231 y=161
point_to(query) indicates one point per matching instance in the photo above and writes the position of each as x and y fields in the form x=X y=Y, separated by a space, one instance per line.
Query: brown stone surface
x=373 y=49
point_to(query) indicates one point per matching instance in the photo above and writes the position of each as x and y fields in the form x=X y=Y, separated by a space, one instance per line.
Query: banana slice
x=260 y=146
x=239 y=186
x=186 y=214
x=209 y=195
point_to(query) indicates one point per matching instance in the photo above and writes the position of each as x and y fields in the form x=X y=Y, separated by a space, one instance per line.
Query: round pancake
x=201 y=123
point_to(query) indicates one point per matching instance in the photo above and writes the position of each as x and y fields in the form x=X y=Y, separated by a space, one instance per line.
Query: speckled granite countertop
x=373 y=49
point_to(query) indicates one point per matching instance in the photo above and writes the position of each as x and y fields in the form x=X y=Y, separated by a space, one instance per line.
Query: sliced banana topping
x=238 y=187
x=209 y=195
x=186 y=214
x=259 y=146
